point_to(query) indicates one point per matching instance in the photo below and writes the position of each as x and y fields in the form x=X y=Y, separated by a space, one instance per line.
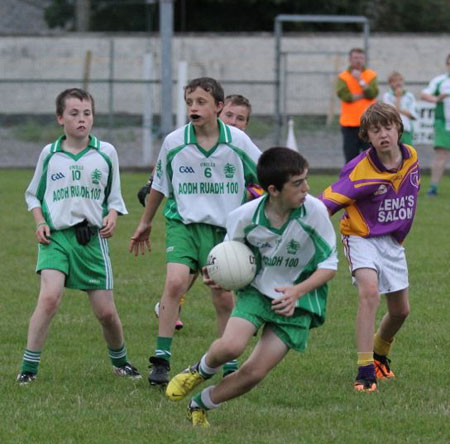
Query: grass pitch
x=308 y=398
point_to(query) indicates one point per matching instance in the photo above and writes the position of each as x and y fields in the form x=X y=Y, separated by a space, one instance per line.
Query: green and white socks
x=203 y=400
x=31 y=361
x=118 y=357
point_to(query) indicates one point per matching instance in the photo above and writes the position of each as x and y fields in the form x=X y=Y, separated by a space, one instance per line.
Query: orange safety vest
x=351 y=112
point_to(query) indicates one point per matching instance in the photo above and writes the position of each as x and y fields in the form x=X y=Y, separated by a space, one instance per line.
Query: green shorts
x=257 y=309
x=86 y=267
x=407 y=137
x=190 y=244
x=441 y=135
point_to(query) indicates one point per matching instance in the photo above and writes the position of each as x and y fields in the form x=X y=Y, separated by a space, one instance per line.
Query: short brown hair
x=209 y=84
x=239 y=100
x=393 y=75
x=78 y=93
x=358 y=50
x=379 y=114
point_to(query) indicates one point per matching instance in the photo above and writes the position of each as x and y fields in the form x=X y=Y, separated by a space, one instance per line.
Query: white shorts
x=382 y=254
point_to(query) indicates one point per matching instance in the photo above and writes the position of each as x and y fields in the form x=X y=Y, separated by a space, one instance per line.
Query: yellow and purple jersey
x=377 y=201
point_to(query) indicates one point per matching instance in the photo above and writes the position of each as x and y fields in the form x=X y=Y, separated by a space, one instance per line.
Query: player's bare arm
x=285 y=304
x=140 y=241
x=42 y=228
x=109 y=224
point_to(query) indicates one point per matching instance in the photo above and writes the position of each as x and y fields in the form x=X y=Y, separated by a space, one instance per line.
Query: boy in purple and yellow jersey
x=378 y=190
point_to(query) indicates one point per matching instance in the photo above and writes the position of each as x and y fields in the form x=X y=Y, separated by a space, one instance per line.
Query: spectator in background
x=405 y=103
x=438 y=92
x=357 y=87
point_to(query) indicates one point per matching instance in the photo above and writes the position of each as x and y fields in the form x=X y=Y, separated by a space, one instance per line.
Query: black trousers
x=353 y=145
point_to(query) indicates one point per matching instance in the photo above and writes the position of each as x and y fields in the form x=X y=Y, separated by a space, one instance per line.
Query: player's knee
x=401 y=315
x=252 y=374
x=49 y=303
x=229 y=349
x=175 y=287
x=107 y=316
x=369 y=294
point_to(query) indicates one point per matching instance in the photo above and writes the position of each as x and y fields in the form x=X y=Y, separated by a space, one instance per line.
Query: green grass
x=308 y=398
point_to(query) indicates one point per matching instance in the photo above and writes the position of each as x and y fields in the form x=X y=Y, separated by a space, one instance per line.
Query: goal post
x=278 y=31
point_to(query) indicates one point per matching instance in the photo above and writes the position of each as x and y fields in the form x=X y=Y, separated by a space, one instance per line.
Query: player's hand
x=356 y=73
x=285 y=305
x=208 y=281
x=140 y=241
x=441 y=97
x=43 y=234
x=109 y=225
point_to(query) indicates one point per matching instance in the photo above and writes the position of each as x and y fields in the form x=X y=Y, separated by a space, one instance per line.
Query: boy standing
x=295 y=245
x=203 y=169
x=378 y=190
x=235 y=112
x=438 y=92
x=75 y=199
x=405 y=103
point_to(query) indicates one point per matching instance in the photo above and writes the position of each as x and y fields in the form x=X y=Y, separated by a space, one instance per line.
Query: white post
x=182 y=80
x=147 y=118
x=291 y=142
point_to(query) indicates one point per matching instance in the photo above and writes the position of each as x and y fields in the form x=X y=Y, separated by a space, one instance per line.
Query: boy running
x=75 y=199
x=295 y=245
x=202 y=169
x=378 y=190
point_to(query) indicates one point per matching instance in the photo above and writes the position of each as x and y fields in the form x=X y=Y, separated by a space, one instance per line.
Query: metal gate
x=313 y=88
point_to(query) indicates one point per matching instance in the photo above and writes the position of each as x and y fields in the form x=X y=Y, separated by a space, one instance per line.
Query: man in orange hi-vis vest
x=357 y=87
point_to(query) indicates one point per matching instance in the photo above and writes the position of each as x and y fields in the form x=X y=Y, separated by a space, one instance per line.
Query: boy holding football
x=294 y=242
x=203 y=169
x=378 y=190
x=75 y=199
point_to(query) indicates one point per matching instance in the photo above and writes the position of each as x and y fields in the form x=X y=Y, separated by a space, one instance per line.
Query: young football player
x=291 y=235
x=378 y=190
x=75 y=199
x=203 y=169
x=438 y=92
x=405 y=103
x=236 y=112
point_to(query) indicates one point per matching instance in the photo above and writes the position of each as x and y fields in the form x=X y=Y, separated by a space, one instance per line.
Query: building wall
x=33 y=69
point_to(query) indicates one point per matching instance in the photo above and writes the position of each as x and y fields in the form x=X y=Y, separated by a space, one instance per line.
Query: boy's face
x=384 y=138
x=77 y=118
x=294 y=191
x=201 y=107
x=397 y=83
x=235 y=115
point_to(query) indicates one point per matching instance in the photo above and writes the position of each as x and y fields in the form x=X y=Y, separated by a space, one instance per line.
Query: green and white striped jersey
x=204 y=186
x=441 y=85
x=70 y=188
x=289 y=255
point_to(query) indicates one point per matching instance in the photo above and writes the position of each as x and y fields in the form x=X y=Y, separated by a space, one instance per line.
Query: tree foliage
x=254 y=15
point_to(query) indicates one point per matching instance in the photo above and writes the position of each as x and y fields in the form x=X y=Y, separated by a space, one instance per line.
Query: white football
x=232 y=265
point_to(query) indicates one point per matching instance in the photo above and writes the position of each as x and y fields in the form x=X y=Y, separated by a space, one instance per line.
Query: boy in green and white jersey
x=75 y=199
x=203 y=169
x=236 y=112
x=295 y=246
x=438 y=92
